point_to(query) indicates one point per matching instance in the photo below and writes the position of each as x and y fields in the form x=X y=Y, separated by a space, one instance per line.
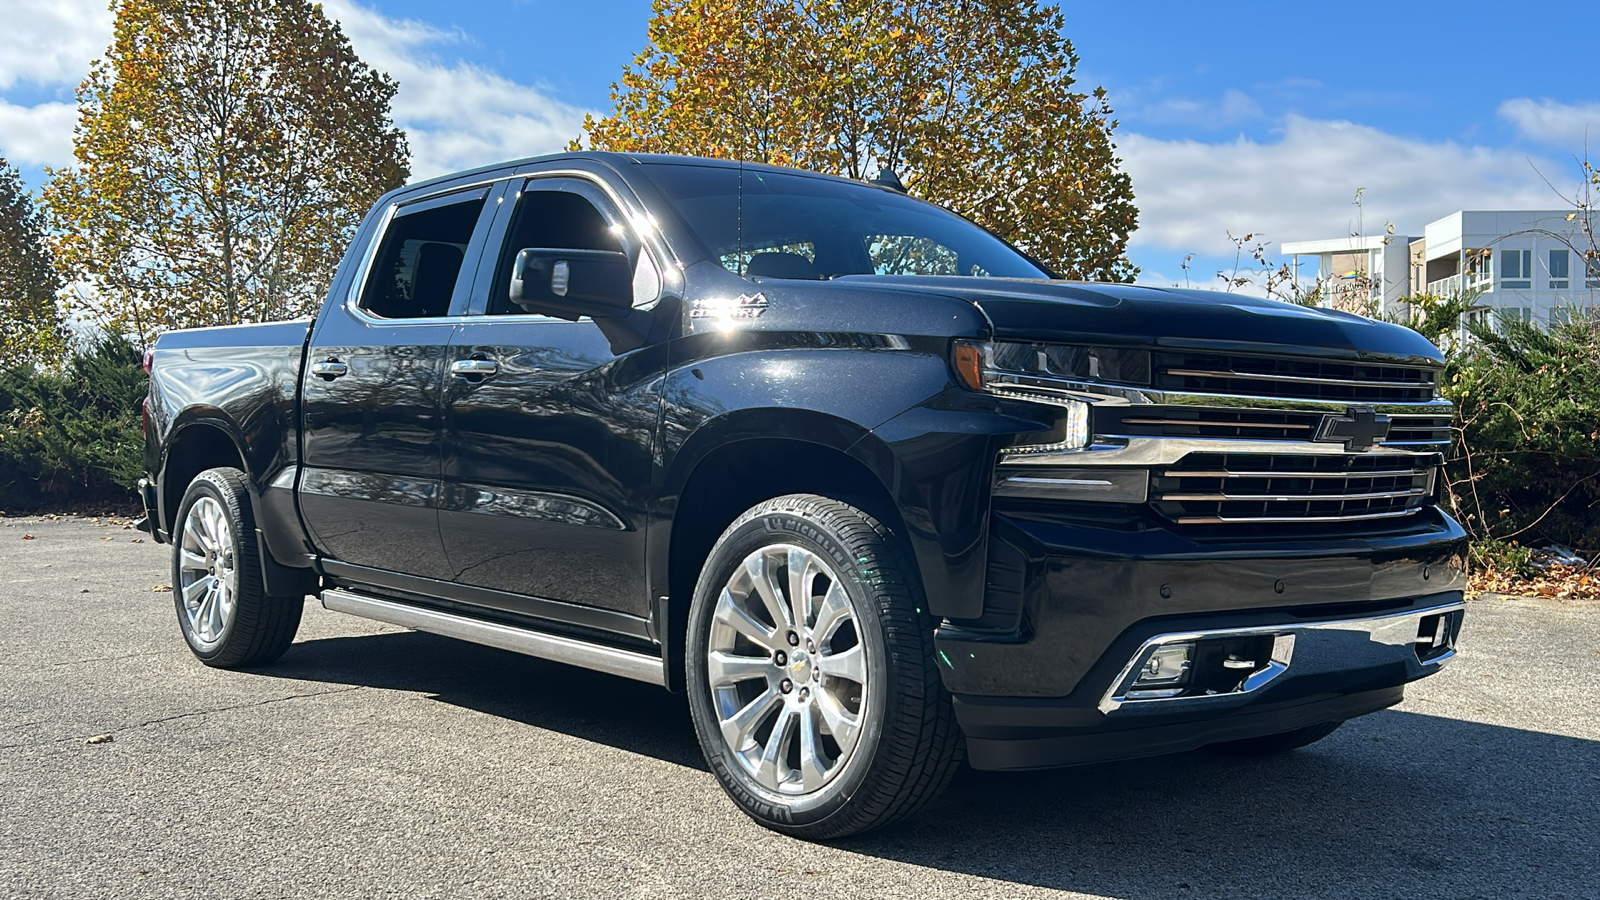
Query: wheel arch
x=199 y=442
x=733 y=476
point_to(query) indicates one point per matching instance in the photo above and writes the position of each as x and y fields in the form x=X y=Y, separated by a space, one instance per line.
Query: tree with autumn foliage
x=226 y=151
x=973 y=104
x=31 y=330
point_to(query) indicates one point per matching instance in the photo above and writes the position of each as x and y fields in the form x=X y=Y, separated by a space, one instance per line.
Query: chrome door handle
x=474 y=368
x=329 y=369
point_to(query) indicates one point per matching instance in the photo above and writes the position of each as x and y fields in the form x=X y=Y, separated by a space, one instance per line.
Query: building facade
x=1534 y=265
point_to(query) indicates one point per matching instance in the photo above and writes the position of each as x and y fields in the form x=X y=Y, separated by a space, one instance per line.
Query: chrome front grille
x=1418 y=431
x=1263 y=488
x=1301 y=379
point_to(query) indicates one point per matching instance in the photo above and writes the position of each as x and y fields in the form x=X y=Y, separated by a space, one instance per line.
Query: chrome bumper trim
x=1301 y=649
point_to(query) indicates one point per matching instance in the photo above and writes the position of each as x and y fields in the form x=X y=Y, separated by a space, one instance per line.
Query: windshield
x=800 y=226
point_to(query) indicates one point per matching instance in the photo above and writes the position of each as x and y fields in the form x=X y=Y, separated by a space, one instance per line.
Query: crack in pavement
x=188 y=715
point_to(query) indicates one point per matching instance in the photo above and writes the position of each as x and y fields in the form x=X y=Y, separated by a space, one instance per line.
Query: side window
x=415 y=269
x=549 y=219
x=782 y=259
x=906 y=254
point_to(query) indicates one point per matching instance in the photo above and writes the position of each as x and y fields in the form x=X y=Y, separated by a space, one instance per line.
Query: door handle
x=329 y=369
x=474 y=368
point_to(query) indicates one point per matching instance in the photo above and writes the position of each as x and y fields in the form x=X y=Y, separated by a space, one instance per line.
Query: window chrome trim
x=352 y=303
x=369 y=254
x=630 y=221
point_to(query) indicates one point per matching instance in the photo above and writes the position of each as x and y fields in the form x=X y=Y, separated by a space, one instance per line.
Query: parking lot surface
x=373 y=762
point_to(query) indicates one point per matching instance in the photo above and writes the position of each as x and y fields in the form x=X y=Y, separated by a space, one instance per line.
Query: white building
x=1357 y=274
x=1527 y=264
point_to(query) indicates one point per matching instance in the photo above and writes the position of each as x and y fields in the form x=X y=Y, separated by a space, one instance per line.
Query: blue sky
x=1241 y=117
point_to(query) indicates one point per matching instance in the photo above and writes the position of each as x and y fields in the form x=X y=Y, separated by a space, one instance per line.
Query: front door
x=548 y=432
x=369 y=489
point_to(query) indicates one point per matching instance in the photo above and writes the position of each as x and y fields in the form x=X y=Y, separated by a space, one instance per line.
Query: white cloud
x=37 y=135
x=1570 y=126
x=456 y=114
x=1233 y=107
x=51 y=42
x=1300 y=187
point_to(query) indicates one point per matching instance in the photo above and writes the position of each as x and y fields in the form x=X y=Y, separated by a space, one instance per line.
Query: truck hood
x=1125 y=314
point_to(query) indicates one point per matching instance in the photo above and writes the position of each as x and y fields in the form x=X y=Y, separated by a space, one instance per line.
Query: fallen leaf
x=137 y=541
x=162 y=588
x=99 y=739
x=27 y=537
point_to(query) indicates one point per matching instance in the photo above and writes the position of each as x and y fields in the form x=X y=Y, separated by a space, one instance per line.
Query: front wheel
x=227 y=617
x=810 y=671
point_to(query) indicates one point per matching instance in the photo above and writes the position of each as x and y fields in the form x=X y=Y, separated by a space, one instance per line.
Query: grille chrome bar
x=1275 y=520
x=1287 y=488
x=1288 y=473
x=1281 y=498
x=1298 y=379
x=1278 y=426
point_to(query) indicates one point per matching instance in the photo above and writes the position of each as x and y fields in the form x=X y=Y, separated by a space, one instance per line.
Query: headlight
x=1052 y=374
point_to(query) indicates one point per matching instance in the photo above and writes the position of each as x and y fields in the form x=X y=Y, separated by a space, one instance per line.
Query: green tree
x=973 y=104
x=226 y=150
x=31 y=329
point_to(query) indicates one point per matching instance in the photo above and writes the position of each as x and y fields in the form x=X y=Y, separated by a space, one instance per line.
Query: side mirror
x=569 y=284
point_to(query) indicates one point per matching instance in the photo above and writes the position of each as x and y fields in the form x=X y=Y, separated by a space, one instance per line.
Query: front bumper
x=1343 y=613
x=1325 y=671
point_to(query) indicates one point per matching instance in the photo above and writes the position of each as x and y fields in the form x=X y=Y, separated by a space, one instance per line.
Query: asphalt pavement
x=377 y=762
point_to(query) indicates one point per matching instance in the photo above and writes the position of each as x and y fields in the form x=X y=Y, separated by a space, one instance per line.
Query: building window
x=1516 y=268
x=1592 y=265
x=1509 y=314
x=1559 y=271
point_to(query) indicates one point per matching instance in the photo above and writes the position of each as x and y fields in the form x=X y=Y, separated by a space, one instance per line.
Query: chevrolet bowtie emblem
x=1360 y=428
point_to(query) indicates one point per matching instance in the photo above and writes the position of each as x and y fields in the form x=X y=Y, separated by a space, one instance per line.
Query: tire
x=224 y=611
x=1273 y=744
x=839 y=724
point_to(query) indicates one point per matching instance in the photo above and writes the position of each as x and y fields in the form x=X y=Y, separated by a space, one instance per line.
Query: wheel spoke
x=813 y=769
x=196 y=590
x=802 y=567
x=215 y=601
x=725 y=669
x=849 y=664
x=842 y=724
x=188 y=559
x=760 y=570
x=833 y=610
x=739 y=729
x=733 y=616
x=775 y=750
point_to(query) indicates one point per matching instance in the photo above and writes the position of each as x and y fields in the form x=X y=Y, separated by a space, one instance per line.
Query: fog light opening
x=1164 y=672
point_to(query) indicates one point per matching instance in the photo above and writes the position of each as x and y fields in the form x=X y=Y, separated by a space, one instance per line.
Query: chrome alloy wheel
x=209 y=579
x=787 y=669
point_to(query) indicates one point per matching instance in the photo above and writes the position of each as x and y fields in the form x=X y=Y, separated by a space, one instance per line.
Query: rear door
x=369 y=488
x=548 y=432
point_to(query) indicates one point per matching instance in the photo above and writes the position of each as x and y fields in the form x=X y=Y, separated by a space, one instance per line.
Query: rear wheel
x=810 y=671
x=1271 y=744
x=226 y=615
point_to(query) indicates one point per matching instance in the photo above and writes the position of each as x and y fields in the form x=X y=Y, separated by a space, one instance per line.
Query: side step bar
x=628 y=664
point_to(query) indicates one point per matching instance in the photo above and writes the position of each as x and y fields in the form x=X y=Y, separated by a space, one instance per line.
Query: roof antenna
x=886 y=178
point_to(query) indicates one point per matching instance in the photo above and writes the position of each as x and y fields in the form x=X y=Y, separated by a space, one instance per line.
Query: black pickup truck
x=870 y=486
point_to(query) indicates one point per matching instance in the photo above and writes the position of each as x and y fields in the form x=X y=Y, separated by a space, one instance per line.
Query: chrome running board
x=628 y=664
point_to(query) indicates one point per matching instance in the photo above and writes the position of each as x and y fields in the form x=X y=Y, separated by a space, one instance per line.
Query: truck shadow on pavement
x=1396 y=804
